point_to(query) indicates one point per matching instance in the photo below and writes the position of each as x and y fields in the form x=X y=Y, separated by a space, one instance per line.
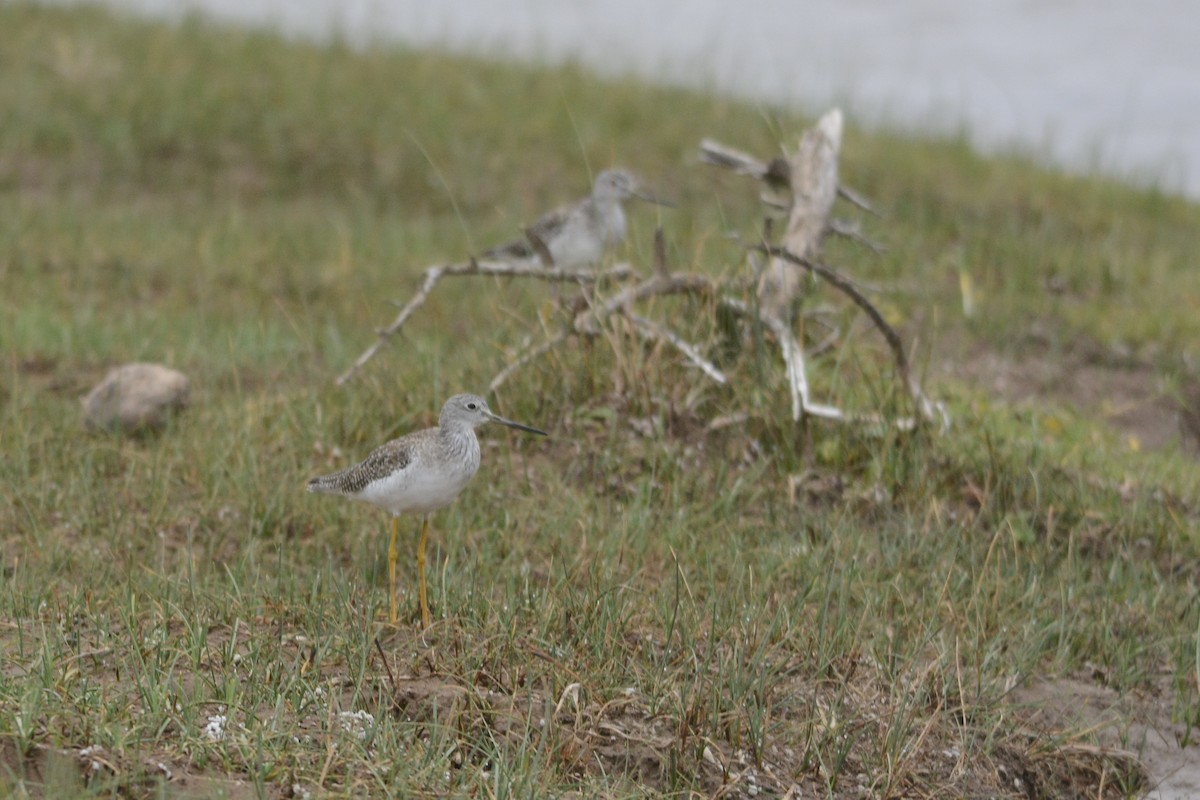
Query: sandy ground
x=1169 y=751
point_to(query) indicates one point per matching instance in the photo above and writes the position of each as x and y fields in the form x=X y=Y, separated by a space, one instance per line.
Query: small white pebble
x=214 y=731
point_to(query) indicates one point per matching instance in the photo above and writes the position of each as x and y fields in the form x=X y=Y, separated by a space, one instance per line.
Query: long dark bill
x=517 y=425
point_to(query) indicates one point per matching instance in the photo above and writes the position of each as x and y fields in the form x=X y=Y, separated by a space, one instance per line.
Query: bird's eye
x=472 y=406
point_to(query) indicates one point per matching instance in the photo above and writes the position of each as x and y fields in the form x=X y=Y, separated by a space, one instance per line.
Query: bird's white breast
x=416 y=491
x=427 y=483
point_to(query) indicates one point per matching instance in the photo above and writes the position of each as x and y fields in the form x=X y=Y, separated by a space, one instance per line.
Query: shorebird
x=577 y=235
x=419 y=473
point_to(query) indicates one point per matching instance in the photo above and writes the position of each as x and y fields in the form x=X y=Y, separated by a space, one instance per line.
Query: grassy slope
x=238 y=207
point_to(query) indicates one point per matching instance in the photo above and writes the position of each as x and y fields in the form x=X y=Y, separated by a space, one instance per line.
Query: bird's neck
x=612 y=219
x=458 y=439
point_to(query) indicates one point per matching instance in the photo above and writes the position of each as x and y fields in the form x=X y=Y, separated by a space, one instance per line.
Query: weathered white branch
x=811 y=174
x=813 y=179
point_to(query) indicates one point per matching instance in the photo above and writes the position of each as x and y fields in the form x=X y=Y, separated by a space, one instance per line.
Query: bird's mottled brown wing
x=516 y=249
x=544 y=229
x=383 y=461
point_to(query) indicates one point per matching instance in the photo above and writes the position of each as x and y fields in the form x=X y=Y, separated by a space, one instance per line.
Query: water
x=1089 y=85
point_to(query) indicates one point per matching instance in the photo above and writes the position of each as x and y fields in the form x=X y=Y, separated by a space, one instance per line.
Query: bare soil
x=1124 y=392
x=1140 y=723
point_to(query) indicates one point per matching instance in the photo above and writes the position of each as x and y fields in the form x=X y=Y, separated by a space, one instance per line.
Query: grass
x=637 y=606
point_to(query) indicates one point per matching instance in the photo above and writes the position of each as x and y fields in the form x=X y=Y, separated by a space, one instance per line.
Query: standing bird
x=577 y=235
x=420 y=472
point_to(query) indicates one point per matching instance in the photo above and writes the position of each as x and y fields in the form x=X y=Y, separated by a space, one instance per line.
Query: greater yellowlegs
x=577 y=235
x=418 y=473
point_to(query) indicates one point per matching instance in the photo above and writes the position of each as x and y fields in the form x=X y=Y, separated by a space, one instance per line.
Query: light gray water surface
x=1087 y=84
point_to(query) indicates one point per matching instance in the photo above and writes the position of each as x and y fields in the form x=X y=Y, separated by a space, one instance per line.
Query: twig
x=853 y=231
x=826 y=344
x=793 y=361
x=928 y=409
x=660 y=254
x=388 y=668
x=856 y=199
x=656 y=331
x=775 y=173
x=473 y=267
x=847 y=286
x=529 y=355
x=678 y=283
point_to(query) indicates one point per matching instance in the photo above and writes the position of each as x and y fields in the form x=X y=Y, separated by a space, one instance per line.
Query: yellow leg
x=421 y=570
x=393 y=614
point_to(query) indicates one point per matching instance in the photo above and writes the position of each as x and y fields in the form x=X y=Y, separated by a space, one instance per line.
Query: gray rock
x=135 y=397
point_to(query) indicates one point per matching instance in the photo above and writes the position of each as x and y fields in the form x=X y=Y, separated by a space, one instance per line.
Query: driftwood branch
x=810 y=175
x=813 y=180
x=474 y=267
x=808 y=181
x=587 y=318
